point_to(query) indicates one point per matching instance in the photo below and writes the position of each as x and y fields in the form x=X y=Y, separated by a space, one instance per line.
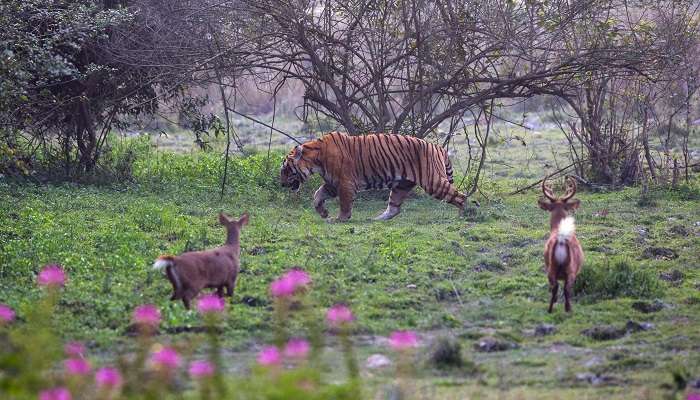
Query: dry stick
x=224 y=100
x=540 y=181
x=269 y=142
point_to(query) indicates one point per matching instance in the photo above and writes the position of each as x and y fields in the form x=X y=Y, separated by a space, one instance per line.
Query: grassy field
x=477 y=279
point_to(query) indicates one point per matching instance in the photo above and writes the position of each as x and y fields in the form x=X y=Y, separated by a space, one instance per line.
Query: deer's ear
x=544 y=204
x=224 y=219
x=572 y=204
x=298 y=152
x=243 y=220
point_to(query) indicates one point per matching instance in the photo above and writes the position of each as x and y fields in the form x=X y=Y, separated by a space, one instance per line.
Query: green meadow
x=477 y=280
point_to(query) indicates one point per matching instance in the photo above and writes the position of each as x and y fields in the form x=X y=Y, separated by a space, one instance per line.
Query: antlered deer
x=563 y=254
x=217 y=268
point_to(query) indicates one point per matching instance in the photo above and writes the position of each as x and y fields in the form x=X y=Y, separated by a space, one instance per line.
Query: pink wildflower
x=338 y=315
x=166 y=358
x=693 y=396
x=268 y=356
x=52 y=276
x=210 y=304
x=74 y=349
x=58 y=393
x=297 y=349
x=6 y=314
x=146 y=315
x=298 y=277
x=282 y=287
x=108 y=378
x=402 y=340
x=77 y=366
x=201 y=369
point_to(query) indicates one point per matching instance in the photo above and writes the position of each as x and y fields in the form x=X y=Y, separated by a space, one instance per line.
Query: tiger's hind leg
x=346 y=196
x=396 y=197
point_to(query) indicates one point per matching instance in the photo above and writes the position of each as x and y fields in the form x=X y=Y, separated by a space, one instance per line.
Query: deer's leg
x=322 y=194
x=554 y=288
x=396 y=197
x=568 y=287
x=220 y=291
x=230 y=285
x=187 y=297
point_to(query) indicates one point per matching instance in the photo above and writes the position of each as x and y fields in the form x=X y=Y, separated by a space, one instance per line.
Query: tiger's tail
x=448 y=169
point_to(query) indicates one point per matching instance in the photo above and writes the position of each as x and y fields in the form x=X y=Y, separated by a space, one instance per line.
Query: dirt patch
x=604 y=332
x=612 y=332
x=545 y=329
x=492 y=344
x=490 y=266
x=659 y=253
x=253 y=301
x=647 y=307
x=674 y=277
x=597 y=379
x=679 y=230
x=256 y=251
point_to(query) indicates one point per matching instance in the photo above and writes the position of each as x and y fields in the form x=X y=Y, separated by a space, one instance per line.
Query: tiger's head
x=296 y=168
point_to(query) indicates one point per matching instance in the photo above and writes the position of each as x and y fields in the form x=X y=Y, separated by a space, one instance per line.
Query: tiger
x=349 y=164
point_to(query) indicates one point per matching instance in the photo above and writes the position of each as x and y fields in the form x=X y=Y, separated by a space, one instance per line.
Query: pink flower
x=268 y=356
x=52 y=276
x=210 y=304
x=297 y=349
x=166 y=358
x=6 y=314
x=292 y=281
x=146 y=315
x=282 y=287
x=77 y=366
x=58 y=393
x=74 y=349
x=693 y=396
x=338 y=315
x=108 y=378
x=201 y=369
x=402 y=340
x=298 y=277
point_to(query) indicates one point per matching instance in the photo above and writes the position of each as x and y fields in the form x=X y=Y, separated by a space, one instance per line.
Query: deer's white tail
x=167 y=265
x=162 y=263
x=567 y=228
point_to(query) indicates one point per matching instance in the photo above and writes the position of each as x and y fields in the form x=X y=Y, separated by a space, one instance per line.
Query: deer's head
x=559 y=206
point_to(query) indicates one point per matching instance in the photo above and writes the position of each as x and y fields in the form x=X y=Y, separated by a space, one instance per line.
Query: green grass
x=426 y=270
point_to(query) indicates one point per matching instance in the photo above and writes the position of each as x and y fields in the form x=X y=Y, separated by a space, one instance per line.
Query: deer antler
x=570 y=188
x=548 y=191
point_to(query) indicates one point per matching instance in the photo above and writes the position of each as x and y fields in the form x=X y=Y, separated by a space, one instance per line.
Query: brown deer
x=217 y=268
x=563 y=254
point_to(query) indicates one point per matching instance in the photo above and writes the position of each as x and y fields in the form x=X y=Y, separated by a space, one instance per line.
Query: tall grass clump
x=616 y=278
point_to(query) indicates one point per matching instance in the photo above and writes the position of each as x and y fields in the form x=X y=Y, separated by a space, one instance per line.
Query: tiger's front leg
x=322 y=194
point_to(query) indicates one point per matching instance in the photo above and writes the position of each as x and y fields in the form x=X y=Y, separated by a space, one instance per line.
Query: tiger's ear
x=297 y=153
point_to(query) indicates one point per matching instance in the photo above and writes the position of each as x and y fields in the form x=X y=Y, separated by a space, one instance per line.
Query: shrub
x=616 y=279
x=446 y=353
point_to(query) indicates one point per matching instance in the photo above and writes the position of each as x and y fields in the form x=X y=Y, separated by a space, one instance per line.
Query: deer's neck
x=232 y=239
x=557 y=216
